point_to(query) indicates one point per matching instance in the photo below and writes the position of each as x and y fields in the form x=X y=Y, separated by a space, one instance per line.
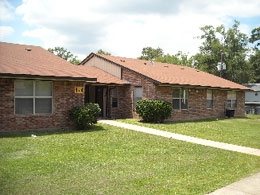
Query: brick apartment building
x=194 y=94
x=37 y=88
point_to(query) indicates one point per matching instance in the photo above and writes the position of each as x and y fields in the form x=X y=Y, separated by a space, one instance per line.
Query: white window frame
x=183 y=98
x=231 y=99
x=114 y=94
x=136 y=94
x=209 y=98
x=33 y=97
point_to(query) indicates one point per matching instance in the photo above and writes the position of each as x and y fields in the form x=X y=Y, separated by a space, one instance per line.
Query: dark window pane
x=23 y=106
x=176 y=93
x=209 y=103
x=114 y=102
x=176 y=104
x=184 y=104
x=43 y=105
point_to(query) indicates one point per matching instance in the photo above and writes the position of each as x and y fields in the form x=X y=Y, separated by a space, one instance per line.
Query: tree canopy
x=64 y=54
x=180 y=58
x=100 y=51
x=224 y=46
x=149 y=53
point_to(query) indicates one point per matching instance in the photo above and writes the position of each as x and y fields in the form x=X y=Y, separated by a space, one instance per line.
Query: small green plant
x=155 y=111
x=85 y=116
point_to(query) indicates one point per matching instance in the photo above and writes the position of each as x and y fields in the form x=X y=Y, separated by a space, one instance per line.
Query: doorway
x=96 y=94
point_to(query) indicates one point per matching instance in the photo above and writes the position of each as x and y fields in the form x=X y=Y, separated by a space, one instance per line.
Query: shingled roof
x=18 y=60
x=169 y=74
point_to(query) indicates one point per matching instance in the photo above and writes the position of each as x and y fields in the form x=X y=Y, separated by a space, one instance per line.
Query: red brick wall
x=136 y=80
x=197 y=104
x=124 y=108
x=197 y=99
x=64 y=99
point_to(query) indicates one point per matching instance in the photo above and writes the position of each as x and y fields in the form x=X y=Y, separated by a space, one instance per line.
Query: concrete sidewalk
x=185 y=138
x=247 y=186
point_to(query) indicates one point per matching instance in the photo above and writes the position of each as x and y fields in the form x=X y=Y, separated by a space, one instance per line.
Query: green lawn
x=111 y=160
x=239 y=131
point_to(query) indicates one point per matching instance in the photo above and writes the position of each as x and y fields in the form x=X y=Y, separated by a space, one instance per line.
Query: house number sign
x=79 y=90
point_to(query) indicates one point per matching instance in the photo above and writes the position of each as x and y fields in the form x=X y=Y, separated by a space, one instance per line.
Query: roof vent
x=145 y=63
x=166 y=66
x=122 y=60
x=28 y=49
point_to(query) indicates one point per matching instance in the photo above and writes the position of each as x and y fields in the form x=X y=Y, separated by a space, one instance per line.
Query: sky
x=120 y=27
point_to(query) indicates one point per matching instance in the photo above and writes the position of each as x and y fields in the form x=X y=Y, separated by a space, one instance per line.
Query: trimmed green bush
x=155 y=111
x=85 y=116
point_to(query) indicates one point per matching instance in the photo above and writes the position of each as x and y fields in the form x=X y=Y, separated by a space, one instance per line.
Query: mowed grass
x=239 y=131
x=110 y=160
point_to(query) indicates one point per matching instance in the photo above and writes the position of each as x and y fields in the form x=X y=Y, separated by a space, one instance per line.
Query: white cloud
x=5 y=31
x=50 y=38
x=6 y=11
x=125 y=28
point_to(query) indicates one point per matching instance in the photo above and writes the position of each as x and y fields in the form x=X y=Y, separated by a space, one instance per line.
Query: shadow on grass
x=43 y=132
x=249 y=117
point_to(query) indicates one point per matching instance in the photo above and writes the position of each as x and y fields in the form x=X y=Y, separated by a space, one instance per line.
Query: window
x=180 y=99
x=138 y=94
x=114 y=97
x=209 y=99
x=231 y=99
x=33 y=97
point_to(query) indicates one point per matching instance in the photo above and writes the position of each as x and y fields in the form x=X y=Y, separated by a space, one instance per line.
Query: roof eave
x=66 y=78
x=200 y=86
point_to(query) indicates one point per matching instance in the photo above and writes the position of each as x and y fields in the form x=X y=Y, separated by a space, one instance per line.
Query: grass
x=110 y=160
x=239 y=131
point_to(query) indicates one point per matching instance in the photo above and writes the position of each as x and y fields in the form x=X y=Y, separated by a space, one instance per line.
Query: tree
x=100 y=51
x=226 y=46
x=255 y=36
x=65 y=54
x=255 y=62
x=149 y=53
x=255 y=57
x=180 y=59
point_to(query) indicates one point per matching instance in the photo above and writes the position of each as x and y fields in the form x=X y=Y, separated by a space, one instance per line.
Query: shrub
x=153 y=110
x=85 y=116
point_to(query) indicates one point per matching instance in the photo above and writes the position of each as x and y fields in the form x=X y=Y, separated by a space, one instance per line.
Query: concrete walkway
x=204 y=142
x=247 y=186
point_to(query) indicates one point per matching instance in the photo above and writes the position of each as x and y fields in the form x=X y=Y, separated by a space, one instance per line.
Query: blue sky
x=123 y=29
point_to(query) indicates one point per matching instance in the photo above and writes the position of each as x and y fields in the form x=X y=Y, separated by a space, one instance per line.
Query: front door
x=95 y=94
x=99 y=99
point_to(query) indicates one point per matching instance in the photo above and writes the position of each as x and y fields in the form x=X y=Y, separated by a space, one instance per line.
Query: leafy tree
x=64 y=54
x=255 y=57
x=255 y=62
x=100 y=51
x=149 y=53
x=255 y=36
x=227 y=46
x=180 y=58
